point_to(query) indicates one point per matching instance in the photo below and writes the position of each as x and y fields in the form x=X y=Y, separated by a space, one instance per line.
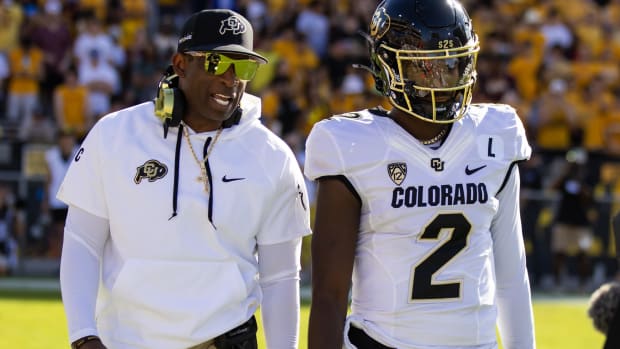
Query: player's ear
x=178 y=64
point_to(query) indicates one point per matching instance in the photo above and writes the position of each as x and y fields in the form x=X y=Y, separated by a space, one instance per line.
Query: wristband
x=78 y=343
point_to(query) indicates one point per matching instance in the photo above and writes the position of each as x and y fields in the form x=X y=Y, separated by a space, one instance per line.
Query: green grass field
x=36 y=320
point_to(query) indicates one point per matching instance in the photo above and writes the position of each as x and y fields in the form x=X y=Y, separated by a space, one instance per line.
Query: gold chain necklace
x=435 y=139
x=204 y=178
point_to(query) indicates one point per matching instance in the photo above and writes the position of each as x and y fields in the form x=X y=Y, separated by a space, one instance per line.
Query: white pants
x=20 y=107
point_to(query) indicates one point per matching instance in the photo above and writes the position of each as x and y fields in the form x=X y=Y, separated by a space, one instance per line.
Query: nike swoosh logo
x=473 y=170
x=226 y=180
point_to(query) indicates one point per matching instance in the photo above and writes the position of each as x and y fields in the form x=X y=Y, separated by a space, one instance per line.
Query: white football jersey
x=173 y=277
x=424 y=265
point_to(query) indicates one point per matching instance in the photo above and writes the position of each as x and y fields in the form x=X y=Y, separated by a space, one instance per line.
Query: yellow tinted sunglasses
x=217 y=64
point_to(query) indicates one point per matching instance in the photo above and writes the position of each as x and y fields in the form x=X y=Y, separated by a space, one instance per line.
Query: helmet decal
x=380 y=23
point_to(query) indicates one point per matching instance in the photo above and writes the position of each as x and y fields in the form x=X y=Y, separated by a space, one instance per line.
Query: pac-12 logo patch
x=397 y=172
x=151 y=170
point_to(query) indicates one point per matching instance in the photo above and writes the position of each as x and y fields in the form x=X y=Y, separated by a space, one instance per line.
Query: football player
x=418 y=206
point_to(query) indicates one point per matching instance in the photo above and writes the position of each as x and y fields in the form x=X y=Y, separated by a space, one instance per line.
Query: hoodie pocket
x=167 y=302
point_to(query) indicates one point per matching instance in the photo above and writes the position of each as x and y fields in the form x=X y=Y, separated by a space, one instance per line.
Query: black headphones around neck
x=170 y=103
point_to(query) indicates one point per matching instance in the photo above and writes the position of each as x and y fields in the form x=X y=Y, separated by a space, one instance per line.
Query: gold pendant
x=203 y=178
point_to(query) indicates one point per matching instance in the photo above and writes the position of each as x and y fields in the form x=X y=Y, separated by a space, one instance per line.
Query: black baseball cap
x=220 y=30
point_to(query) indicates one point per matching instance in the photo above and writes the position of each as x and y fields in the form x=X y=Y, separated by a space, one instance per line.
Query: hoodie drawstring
x=205 y=149
x=175 y=188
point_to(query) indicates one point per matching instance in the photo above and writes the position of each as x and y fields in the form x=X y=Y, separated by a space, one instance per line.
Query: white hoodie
x=176 y=276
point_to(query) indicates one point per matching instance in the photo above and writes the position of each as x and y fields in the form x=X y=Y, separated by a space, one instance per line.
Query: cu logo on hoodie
x=151 y=170
x=234 y=24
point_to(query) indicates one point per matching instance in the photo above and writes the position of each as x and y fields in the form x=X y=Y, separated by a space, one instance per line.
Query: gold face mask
x=426 y=83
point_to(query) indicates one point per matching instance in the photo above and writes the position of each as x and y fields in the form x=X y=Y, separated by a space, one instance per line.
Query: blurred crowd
x=66 y=63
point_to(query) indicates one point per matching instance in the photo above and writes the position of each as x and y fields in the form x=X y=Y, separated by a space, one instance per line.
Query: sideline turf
x=34 y=320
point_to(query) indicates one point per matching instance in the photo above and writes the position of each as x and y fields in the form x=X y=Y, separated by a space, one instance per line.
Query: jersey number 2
x=423 y=287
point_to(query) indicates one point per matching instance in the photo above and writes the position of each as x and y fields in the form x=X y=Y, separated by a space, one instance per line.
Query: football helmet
x=423 y=57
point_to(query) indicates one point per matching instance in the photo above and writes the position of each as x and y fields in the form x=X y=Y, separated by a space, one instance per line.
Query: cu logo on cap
x=234 y=24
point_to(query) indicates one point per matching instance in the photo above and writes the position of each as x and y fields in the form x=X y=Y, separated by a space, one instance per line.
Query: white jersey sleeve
x=322 y=155
x=515 y=315
x=502 y=125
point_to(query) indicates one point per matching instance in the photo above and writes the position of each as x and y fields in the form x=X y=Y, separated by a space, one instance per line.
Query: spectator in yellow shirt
x=26 y=73
x=557 y=121
x=11 y=18
x=71 y=105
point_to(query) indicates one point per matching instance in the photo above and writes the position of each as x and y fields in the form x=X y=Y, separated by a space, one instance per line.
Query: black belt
x=240 y=337
x=362 y=340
